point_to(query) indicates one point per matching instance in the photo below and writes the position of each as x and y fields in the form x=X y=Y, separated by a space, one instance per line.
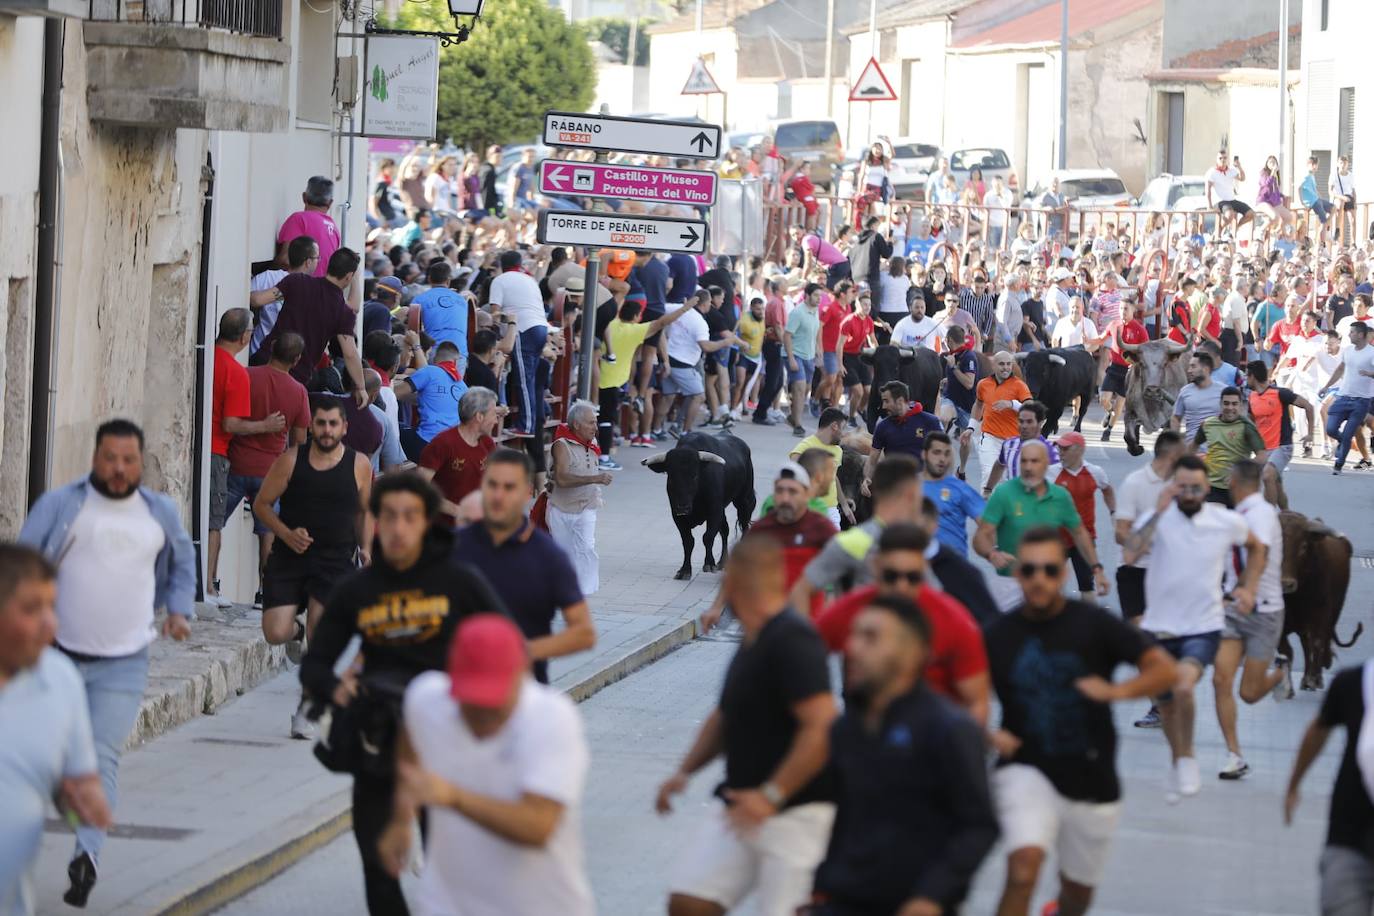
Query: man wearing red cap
x=500 y=762
x=1082 y=479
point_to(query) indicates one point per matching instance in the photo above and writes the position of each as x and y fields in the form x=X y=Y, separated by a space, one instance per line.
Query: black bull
x=919 y=368
x=1316 y=577
x=1057 y=376
x=705 y=474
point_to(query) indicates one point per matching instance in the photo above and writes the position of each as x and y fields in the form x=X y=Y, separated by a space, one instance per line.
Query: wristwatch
x=770 y=791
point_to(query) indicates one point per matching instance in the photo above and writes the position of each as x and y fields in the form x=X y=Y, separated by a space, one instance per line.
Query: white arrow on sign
x=612 y=230
x=681 y=139
x=556 y=175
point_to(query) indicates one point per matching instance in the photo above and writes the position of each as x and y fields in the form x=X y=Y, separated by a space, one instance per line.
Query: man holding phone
x=1221 y=180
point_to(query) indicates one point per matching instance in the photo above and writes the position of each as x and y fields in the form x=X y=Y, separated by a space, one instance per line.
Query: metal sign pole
x=589 y=306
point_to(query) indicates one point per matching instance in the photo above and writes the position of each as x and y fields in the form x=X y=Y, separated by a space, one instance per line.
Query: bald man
x=997 y=399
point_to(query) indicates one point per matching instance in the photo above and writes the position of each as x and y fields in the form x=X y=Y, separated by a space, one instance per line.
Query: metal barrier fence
x=261 y=18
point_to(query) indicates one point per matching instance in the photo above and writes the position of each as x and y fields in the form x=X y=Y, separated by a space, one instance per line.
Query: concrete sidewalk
x=225 y=802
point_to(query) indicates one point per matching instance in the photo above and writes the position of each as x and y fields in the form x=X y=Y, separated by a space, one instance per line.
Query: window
x=1173 y=138
x=315 y=64
x=1345 y=125
x=800 y=135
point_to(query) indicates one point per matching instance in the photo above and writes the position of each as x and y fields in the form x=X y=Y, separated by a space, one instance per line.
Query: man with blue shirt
x=958 y=502
x=440 y=312
x=124 y=554
x=436 y=388
x=49 y=753
x=902 y=431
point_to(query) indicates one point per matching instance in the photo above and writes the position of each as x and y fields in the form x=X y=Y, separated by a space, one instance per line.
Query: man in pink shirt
x=818 y=251
x=314 y=220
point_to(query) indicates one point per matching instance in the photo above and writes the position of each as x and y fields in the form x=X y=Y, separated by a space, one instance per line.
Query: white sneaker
x=1235 y=768
x=218 y=601
x=301 y=727
x=1171 y=795
x=295 y=648
x=1189 y=776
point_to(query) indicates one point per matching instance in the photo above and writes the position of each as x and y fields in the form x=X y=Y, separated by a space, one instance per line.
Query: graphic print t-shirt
x=1034 y=665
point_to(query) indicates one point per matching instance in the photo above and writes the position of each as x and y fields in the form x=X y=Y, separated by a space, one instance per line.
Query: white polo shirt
x=1137 y=497
x=540 y=750
x=1263 y=521
x=685 y=336
x=1223 y=183
x=911 y=333
x=1188 y=558
x=517 y=293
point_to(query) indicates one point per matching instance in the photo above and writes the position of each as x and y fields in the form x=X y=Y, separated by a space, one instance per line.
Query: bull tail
x=1359 y=628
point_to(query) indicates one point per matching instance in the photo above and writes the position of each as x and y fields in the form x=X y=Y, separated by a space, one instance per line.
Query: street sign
x=872 y=85
x=700 y=81
x=612 y=230
x=598 y=179
x=680 y=139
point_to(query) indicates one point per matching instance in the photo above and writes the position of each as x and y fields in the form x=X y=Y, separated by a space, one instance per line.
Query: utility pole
x=830 y=59
x=1064 y=83
x=873 y=53
x=1283 y=85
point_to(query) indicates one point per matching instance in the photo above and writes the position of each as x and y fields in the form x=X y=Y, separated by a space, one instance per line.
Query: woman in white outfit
x=575 y=492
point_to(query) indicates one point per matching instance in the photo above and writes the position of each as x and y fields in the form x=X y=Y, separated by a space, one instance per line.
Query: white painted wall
x=671 y=57
x=1333 y=59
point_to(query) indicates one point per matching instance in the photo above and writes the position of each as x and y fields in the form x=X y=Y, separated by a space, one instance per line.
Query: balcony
x=200 y=64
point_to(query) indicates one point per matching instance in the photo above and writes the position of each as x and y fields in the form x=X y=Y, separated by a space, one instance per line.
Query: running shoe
x=1235 y=768
x=798 y=431
x=766 y=421
x=302 y=729
x=1149 y=720
x=1189 y=776
x=641 y=442
x=1364 y=464
x=1283 y=690
x=1106 y=434
x=295 y=647
x=607 y=463
x=1171 y=793
x=215 y=599
x=658 y=435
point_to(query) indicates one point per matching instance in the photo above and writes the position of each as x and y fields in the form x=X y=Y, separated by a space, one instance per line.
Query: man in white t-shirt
x=1356 y=376
x=517 y=294
x=687 y=339
x=1252 y=637
x=1190 y=542
x=1220 y=182
x=917 y=329
x=1075 y=330
x=500 y=762
x=997 y=200
x=1057 y=298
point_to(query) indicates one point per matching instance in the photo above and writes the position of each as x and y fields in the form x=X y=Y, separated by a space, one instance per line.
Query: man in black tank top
x=321 y=531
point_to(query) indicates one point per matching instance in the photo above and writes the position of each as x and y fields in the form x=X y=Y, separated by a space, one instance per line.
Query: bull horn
x=1020 y=355
x=1174 y=346
x=1058 y=360
x=654 y=461
x=868 y=351
x=1129 y=347
x=710 y=456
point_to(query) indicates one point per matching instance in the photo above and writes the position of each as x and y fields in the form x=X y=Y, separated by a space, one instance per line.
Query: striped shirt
x=983 y=309
x=1010 y=455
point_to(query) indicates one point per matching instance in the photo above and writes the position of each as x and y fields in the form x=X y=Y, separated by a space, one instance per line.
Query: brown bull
x=1316 y=575
x=1159 y=370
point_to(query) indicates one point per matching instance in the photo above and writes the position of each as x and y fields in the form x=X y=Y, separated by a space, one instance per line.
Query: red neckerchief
x=915 y=409
x=451 y=367
x=565 y=431
x=386 y=377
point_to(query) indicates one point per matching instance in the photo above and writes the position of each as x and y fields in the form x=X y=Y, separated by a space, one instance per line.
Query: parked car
x=818 y=141
x=990 y=160
x=912 y=162
x=745 y=139
x=1083 y=189
x=1167 y=193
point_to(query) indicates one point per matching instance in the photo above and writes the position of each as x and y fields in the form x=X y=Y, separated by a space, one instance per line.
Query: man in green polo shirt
x=1022 y=503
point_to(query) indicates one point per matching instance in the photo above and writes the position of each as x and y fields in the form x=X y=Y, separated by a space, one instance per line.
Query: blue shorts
x=747 y=364
x=830 y=363
x=1200 y=648
x=805 y=369
x=242 y=487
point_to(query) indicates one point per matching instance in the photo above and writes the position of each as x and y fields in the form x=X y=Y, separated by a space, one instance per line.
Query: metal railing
x=259 y=18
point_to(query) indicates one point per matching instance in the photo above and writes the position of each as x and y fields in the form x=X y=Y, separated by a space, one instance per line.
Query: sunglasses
x=893 y=576
x=1051 y=570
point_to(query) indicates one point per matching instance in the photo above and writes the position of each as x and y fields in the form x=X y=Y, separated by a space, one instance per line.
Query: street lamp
x=456 y=9
x=471 y=8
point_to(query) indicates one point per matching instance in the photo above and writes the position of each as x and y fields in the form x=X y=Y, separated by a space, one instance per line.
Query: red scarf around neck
x=565 y=431
x=915 y=409
x=451 y=367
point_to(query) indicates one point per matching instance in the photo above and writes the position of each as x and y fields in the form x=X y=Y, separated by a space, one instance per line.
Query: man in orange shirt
x=994 y=412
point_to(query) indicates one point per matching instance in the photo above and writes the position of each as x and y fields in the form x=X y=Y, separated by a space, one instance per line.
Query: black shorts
x=1114 y=379
x=1082 y=570
x=1219 y=496
x=1130 y=588
x=294 y=578
x=1239 y=208
x=857 y=372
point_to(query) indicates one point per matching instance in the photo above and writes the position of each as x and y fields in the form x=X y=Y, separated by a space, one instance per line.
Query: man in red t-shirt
x=456 y=457
x=1126 y=329
x=856 y=332
x=1284 y=332
x=1082 y=479
x=230 y=407
x=832 y=315
x=958 y=665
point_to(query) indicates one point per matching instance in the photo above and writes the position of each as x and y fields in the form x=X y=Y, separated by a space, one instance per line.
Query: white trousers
x=989 y=447
x=575 y=532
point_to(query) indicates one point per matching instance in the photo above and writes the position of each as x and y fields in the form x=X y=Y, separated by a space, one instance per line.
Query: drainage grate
x=126 y=831
x=237 y=742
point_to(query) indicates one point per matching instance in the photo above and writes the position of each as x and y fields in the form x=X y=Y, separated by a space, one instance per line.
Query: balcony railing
x=260 y=18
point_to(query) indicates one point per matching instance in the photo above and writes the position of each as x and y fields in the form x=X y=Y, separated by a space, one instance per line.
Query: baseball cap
x=1071 y=438
x=391 y=285
x=485 y=659
x=1061 y=273
x=790 y=470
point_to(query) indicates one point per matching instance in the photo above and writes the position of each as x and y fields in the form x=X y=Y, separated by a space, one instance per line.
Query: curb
x=328 y=819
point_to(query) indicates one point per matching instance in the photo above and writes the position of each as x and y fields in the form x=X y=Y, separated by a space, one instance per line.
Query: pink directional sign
x=627 y=182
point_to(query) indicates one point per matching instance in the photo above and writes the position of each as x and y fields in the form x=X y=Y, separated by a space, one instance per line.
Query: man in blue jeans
x=1356 y=376
x=121 y=553
x=517 y=294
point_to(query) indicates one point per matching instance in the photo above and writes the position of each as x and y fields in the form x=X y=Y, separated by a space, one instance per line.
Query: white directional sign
x=680 y=139
x=612 y=230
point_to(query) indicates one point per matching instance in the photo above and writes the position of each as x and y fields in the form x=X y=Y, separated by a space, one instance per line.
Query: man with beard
x=1056 y=783
x=901 y=431
x=322 y=522
x=405 y=607
x=121 y=558
x=914 y=816
x=1197 y=400
x=799 y=531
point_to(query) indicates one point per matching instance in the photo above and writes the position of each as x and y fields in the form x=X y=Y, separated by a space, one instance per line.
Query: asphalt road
x=1222 y=852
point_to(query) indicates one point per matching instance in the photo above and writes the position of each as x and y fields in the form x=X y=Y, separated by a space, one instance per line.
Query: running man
x=320 y=532
x=1083 y=480
x=1270 y=410
x=1030 y=418
x=901 y=431
x=959 y=503
x=994 y=414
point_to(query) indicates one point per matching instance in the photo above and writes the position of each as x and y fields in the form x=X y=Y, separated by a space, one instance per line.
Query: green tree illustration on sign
x=378 y=83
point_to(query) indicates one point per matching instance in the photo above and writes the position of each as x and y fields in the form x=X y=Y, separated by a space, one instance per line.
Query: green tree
x=522 y=59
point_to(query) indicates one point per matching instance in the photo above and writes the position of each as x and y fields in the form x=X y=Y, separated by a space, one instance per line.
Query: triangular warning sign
x=872 y=85
x=700 y=82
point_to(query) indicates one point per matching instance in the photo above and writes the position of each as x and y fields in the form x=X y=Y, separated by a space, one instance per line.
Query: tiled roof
x=1259 y=51
x=1042 y=25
